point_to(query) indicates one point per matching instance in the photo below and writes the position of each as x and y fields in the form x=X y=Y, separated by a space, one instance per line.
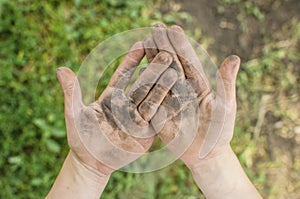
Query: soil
x=221 y=23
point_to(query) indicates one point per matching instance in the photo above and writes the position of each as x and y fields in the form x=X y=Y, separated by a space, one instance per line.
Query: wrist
x=220 y=154
x=221 y=176
x=84 y=171
x=77 y=180
x=193 y=160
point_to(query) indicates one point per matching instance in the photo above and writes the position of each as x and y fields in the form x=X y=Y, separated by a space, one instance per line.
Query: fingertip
x=64 y=71
x=60 y=69
x=66 y=77
x=164 y=57
x=230 y=65
x=137 y=46
x=159 y=25
x=178 y=39
x=149 y=43
x=145 y=110
x=234 y=59
x=227 y=79
x=176 y=28
x=136 y=51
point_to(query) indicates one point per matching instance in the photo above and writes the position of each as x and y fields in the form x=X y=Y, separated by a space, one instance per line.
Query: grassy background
x=36 y=37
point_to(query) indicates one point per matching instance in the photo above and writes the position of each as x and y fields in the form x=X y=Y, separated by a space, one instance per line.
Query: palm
x=114 y=130
x=101 y=132
x=199 y=128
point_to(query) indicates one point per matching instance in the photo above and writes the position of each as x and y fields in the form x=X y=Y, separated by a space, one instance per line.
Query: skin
x=209 y=156
x=172 y=97
x=211 y=106
x=101 y=135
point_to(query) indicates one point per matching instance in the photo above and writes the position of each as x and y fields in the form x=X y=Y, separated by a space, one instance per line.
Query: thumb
x=71 y=89
x=226 y=79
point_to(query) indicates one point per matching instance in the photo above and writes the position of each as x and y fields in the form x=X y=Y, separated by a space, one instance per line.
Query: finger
x=159 y=34
x=155 y=97
x=226 y=79
x=147 y=79
x=122 y=75
x=189 y=59
x=150 y=49
x=71 y=89
x=160 y=37
x=184 y=51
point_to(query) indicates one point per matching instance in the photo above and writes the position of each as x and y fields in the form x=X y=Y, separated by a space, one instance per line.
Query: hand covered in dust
x=114 y=130
x=196 y=122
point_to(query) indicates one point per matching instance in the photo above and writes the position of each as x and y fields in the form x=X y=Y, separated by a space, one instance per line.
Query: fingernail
x=233 y=59
x=59 y=72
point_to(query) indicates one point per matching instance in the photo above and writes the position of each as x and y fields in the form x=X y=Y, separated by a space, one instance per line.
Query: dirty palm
x=171 y=98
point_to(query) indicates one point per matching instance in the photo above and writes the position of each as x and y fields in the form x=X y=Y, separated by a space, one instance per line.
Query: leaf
x=52 y=146
x=40 y=123
x=58 y=133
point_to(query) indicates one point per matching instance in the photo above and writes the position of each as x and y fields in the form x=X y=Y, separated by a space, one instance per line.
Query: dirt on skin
x=244 y=34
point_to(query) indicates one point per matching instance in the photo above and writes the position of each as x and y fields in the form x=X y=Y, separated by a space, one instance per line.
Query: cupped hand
x=195 y=122
x=115 y=130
